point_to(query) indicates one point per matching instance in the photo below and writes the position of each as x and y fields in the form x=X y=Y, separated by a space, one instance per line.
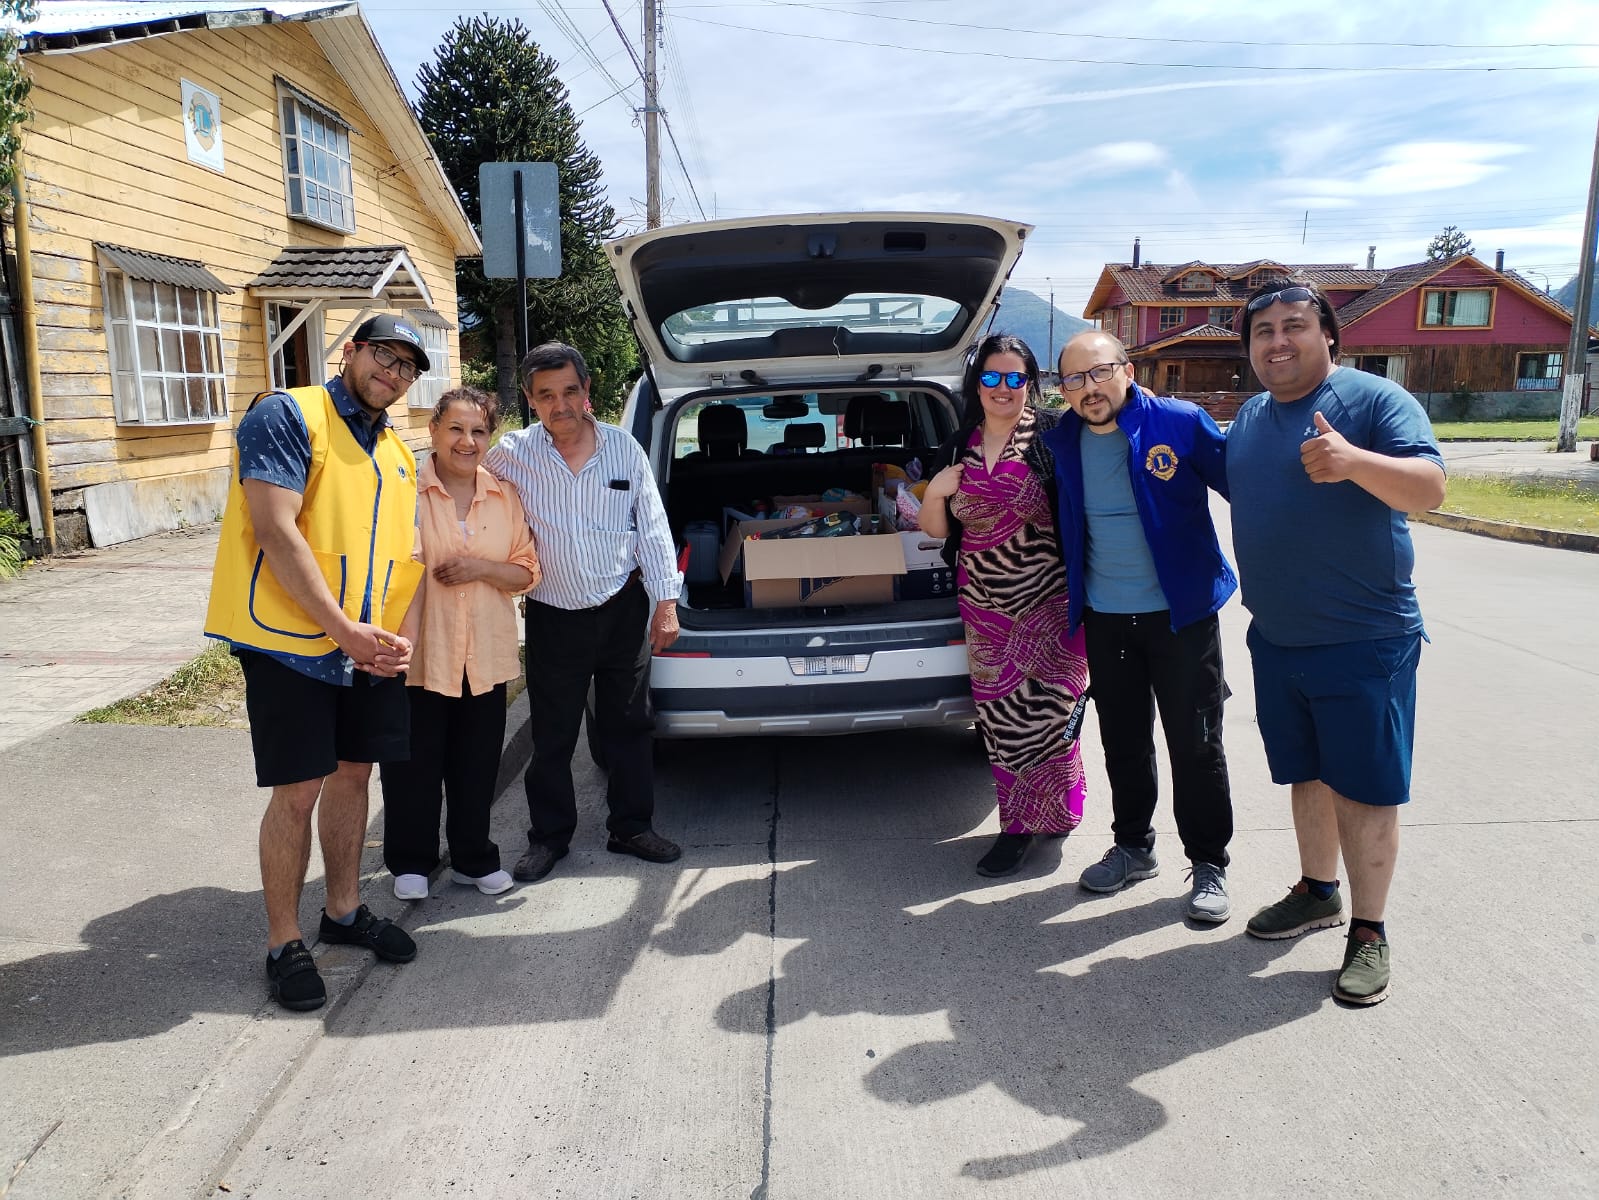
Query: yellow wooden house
x=212 y=197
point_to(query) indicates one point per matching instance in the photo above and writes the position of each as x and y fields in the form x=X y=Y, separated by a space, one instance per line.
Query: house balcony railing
x=1538 y=385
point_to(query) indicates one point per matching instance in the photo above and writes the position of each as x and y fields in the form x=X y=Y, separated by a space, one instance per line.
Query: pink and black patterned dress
x=1026 y=672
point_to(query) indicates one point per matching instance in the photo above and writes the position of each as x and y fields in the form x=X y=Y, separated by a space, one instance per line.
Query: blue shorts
x=1343 y=714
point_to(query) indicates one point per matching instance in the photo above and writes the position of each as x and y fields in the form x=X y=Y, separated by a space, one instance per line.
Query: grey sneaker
x=1118 y=868
x=1364 y=978
x=1296 y=913
x=1208 y=901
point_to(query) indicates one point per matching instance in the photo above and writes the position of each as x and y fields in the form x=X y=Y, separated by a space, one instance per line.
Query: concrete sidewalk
x=1523 y=461
x=81 y=630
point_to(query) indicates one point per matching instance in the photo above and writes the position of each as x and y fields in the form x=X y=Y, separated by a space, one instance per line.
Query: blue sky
x=1227 y=132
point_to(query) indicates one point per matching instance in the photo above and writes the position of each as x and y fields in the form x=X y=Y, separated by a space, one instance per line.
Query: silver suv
x=788 y=360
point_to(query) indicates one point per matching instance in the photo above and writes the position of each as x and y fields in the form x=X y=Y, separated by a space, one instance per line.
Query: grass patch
x=1542 y=505
x=206 y=690
x=1545 y=429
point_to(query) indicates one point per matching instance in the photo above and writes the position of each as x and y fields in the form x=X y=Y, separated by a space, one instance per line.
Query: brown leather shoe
x=649 y=845
x=538 y=862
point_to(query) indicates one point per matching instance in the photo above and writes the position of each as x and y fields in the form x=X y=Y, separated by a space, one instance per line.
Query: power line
x=1012 y=56
x=1125 y=37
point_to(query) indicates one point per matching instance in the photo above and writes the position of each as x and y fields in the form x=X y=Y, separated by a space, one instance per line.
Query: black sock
x=1322 y=889
x=1361 y=923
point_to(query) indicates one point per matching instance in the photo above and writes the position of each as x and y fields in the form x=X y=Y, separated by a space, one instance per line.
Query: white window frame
x=153 y=331
x=425 y=391
x=318 y=179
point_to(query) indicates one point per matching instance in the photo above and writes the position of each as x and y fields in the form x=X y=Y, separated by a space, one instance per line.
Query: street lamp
x=1530 y=271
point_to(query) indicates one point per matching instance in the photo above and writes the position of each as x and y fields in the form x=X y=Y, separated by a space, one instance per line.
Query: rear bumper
x=731 y=697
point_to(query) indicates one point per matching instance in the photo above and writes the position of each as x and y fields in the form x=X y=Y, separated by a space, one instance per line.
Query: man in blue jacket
x=1146 y=579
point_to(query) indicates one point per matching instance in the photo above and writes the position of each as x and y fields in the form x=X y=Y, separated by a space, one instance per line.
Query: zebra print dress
x=1026 y=671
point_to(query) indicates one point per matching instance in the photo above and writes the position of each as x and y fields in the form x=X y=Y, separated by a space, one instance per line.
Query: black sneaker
x=378 y=934
x=293 y=981
x=1005 y=856
x=649 y=845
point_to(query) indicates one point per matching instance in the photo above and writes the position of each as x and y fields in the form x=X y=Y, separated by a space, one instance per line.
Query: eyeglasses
x=390 y=361
x=1078 y=381
x=1288 y=295
x=1013 y=379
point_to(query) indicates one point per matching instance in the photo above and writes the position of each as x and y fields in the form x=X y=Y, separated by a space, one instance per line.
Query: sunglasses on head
x=1013 y=379
x=1288 y=295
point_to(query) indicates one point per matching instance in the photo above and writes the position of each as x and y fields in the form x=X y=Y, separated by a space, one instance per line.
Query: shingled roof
x=1395 y=282
x=1154 y=283
x=357 y=272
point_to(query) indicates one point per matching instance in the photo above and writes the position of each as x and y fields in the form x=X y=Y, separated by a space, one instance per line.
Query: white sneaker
x=490 y=885
x=410 y=887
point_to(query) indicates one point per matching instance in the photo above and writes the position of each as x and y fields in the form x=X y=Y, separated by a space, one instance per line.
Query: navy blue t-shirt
x=1322 y=564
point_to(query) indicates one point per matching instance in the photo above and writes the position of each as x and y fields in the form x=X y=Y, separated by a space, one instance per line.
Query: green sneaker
x=1364 y=979
x=1297 y=913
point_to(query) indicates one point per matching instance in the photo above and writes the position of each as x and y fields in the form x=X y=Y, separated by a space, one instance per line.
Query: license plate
x=830 y=664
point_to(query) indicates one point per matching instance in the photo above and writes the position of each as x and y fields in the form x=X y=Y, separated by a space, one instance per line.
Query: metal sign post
x=521 y=206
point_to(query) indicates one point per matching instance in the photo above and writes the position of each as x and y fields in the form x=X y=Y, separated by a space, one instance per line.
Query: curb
x=1557 y=539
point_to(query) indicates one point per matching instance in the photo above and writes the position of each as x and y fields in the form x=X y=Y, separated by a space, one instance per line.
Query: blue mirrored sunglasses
x=1013 y=379
x=1289 y=295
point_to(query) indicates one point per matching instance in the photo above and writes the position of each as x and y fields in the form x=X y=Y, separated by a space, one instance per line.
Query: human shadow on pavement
x=143 y=969
x=1028 y=1012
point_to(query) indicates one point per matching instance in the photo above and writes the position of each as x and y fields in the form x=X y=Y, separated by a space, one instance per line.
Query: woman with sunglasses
x=992 y=499
x=478 y=551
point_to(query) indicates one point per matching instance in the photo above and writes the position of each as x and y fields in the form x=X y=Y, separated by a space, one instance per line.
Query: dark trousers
x=1137 y=663
x=455 y=752
x=567 y=650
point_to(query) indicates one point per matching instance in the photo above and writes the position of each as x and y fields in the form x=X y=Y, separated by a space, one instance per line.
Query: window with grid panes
x=166 y=352
x=1223 y=316
x=1197 y=281
x=435 y=381
x=316 y=165
x=1171 y=317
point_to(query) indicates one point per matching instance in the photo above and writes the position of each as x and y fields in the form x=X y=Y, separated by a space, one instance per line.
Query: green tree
x=491 y=95
x=1451 y=243
x=14 y=84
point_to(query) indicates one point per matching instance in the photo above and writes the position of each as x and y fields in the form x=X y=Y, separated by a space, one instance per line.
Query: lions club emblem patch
x=1161 y=462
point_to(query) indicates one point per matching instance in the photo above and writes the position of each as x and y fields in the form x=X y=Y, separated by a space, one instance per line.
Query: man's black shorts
x=302 y=728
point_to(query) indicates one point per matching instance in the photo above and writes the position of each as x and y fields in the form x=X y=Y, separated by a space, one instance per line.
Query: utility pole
x=1051 y=284
x=1577 y=352
x=652 y=133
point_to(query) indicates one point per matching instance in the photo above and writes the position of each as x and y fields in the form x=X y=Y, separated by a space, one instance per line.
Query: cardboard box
x=926 y=576
x=811 y=572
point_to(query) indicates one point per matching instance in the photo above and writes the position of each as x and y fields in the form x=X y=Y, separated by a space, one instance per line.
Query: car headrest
x=886 y=422
x=853 y=412
x=805 y=435
x=723 y=432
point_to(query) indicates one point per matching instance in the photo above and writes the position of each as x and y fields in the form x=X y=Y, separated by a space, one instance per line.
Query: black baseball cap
x=384 y=328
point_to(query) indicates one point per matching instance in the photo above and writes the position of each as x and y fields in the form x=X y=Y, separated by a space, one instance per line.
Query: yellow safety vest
x=358 y=515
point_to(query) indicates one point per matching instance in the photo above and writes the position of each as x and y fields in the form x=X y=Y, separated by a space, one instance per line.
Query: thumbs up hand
x=1328 y=457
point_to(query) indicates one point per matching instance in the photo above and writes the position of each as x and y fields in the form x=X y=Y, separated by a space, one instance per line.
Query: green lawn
x=1544 y=430
x=1562 y=506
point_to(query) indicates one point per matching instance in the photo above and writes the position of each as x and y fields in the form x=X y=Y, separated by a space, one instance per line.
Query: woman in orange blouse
x=479 y=553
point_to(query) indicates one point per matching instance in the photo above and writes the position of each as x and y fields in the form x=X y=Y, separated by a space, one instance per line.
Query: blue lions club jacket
x=1175 y=453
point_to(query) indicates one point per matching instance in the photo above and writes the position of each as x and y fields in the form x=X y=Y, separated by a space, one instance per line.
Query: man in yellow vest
x=313 y=577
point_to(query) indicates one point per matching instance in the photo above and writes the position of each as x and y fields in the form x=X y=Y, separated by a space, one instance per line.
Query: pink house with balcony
x=1465 y=338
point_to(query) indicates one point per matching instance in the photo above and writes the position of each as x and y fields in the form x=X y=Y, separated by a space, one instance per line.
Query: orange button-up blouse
x=468 y=629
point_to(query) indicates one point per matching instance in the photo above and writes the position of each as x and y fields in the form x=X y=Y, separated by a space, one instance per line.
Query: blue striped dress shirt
x=592 y=528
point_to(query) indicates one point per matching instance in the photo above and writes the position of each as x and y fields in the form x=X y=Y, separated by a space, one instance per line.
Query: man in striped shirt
x=606 y=603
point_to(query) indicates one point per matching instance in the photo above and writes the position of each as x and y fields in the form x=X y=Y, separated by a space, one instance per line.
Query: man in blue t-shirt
x=1146 y=578
x=1322 y=468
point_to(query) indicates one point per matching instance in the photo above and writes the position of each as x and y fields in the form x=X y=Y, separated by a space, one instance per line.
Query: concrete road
x=822 y=1000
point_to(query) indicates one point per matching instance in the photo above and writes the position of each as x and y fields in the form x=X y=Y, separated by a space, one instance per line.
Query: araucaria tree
x=1448 y=244
x=491 y=95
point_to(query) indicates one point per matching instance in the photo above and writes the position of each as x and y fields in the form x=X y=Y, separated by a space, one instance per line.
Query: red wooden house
x=1466 y=338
